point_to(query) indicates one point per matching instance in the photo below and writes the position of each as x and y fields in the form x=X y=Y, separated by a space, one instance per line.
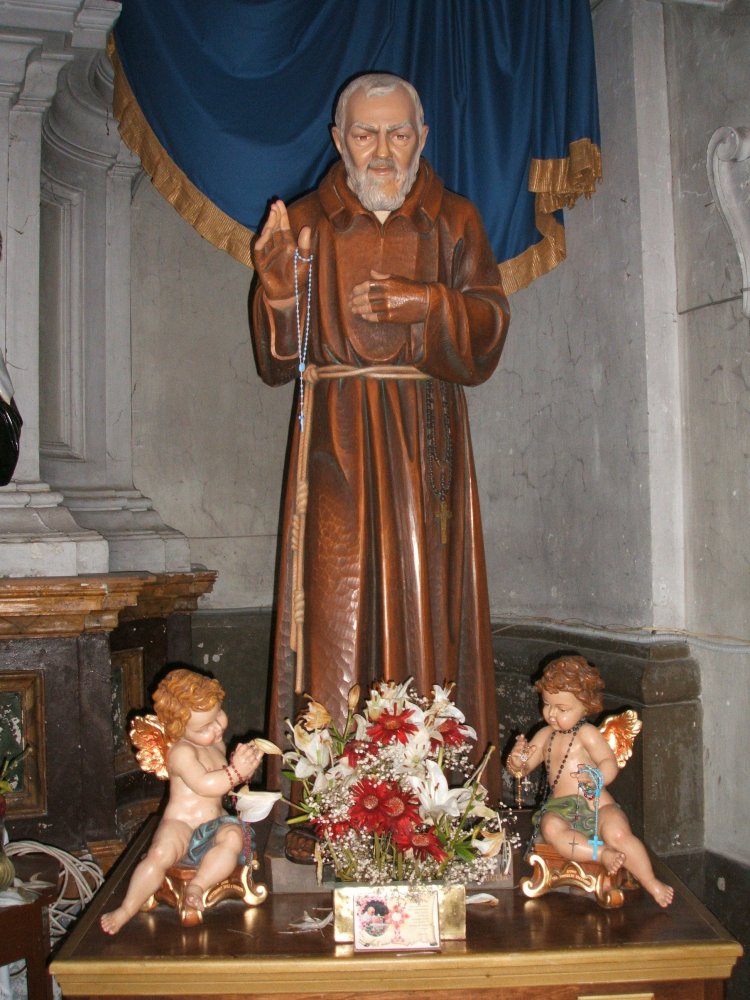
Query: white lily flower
x=316 y=746
x=342 y=773
x=360 y=727
x=442 y=703
x=417 y=713
x=386 y=696
x=412 y=754
x=315 y=756
x=481 y=811
x=489 y=844
x=305 y=769
x=252 y=807
x=436 y=798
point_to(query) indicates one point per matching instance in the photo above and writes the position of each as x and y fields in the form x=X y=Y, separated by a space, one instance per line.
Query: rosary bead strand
x=303 y=339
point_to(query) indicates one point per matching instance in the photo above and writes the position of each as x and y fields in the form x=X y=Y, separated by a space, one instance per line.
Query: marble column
x=66 y=184
x=85 y=443
x=38 y=536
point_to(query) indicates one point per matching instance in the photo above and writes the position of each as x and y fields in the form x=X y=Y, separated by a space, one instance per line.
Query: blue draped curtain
x=229 y=102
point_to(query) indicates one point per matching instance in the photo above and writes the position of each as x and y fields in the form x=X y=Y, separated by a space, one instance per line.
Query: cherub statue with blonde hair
x=185 y=742
x=573 y=752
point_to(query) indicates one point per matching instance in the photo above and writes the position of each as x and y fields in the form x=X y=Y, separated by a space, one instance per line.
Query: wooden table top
x=560 y=938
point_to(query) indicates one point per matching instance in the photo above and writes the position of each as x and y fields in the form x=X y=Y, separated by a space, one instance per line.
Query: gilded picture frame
x=128 y=696
x=22 y=739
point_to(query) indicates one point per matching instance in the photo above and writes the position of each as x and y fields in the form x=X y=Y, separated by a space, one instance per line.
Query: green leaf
x=464 y=852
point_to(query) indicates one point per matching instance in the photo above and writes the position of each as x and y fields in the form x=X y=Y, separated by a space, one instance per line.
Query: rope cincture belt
x=311 y=376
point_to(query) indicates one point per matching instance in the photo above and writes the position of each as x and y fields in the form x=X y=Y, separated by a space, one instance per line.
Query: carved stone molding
x=60 y=606
x=61 y=319
x=164 y=594
x=42 y=607
x=728 y=166
x=85 y=22
x=79 y=123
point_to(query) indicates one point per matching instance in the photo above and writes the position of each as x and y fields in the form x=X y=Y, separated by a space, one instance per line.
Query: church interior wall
x=709 y=76
x=573 y=436
x=208 y=437
x=560 y=432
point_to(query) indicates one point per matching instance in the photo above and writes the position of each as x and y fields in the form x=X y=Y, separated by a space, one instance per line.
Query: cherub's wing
x=147 y=735
x=620 y=732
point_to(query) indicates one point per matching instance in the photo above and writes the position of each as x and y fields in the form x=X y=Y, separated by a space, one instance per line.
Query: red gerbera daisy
x=390 y=726
x=332 y=829
x=355 y=751
x=368 y=809
x=424 y=843
x=402 y=810
x=452 y=733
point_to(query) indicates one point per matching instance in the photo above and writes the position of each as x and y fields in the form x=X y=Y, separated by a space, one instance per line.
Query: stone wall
x=709 y=77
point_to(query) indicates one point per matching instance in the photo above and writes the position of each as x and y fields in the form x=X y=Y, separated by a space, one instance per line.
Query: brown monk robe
x=392 y=589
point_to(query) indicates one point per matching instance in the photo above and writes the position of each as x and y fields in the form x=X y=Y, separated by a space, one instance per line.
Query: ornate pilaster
x=37 y=535
x=87 y=182
x=65 y=194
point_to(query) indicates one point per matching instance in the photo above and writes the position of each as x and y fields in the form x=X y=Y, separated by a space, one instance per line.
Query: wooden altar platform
x=559 y=947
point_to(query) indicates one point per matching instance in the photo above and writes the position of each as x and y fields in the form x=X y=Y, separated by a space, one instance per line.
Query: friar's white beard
x=372 y=190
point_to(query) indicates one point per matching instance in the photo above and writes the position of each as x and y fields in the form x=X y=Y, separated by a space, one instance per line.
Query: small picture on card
x=396 y=918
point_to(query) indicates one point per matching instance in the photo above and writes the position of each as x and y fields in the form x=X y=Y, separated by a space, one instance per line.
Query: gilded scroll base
x=239 y=885
x=552 y=871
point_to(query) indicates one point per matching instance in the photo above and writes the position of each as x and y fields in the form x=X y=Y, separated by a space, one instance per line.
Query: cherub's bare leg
x=169 y=844
x=617 y=835
x=218 y=863
x=193 y=896
x=610 y=859
x=569 y=843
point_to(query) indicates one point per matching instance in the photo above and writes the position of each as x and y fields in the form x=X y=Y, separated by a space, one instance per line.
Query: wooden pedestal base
x=552 y=871
x=239 y=885
x=556 y=948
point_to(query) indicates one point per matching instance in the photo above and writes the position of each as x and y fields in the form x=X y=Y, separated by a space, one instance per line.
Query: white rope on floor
x=80 y=874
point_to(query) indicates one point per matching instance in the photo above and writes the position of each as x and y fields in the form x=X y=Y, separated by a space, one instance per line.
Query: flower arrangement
x=376 y=790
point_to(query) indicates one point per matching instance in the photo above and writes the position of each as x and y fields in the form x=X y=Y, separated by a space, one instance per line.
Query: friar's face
x=380 y=147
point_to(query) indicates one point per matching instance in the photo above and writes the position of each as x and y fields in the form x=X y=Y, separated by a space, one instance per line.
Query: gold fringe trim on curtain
x=197 y=209
x=557 y=184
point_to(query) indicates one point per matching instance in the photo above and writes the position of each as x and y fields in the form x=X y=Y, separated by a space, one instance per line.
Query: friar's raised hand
x=273 y=256
x=387 y=298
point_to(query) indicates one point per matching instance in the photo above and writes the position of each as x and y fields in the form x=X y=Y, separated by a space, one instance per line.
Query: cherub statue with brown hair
x=195 y=826
x=570 y=747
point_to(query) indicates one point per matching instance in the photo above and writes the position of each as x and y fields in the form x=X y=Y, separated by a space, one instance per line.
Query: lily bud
x=353 y=699
x=316 y=716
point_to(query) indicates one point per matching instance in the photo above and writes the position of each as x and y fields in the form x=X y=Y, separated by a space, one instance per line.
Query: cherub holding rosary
x=570 y=749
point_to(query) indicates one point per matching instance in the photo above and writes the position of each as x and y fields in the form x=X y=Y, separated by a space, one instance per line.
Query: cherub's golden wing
x=147 y=736
x=620 y=732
